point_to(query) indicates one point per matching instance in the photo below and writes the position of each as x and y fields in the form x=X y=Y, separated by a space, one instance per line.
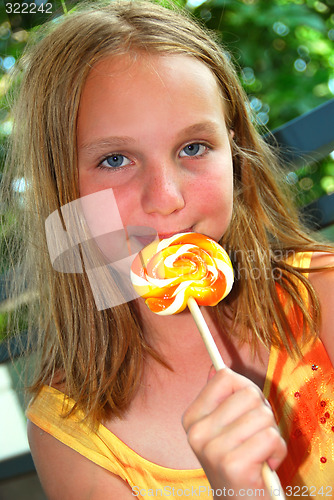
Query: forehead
x=134 y=63
x=131 y=86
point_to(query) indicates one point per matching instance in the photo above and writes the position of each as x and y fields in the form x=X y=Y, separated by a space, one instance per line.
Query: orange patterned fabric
x=301 y=393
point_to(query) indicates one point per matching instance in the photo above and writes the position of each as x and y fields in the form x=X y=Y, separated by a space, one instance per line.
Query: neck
x=161 y=331
x=178 y=334
x=178 y=340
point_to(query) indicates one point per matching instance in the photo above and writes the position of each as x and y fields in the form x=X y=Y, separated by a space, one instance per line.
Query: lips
x=163 y=236
x=144 y=240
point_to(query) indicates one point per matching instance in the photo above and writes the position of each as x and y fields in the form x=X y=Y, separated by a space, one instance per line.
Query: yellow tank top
x=301 y=395
x=107 y=450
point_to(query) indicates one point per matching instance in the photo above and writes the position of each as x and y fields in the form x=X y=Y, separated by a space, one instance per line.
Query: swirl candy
x=169 y=272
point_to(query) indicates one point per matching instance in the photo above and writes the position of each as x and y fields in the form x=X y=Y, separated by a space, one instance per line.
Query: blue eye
x=115 y=161
x=195 y=149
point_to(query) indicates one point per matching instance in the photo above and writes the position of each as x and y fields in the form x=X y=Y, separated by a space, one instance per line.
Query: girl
x=139 y=100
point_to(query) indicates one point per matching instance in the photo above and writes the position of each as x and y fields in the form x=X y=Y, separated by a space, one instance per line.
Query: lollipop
x=169 y=272
x=189 y=269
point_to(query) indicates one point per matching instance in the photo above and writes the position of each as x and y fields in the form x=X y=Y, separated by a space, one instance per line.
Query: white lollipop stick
x=270 y=477
x=203 y=328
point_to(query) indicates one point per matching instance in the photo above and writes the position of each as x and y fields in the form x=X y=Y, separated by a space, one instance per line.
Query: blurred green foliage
x=3 y=325
x=22 y=321
x=283 y=50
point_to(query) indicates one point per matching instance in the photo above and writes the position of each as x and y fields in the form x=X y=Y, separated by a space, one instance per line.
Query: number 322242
x=308 y=491
x=28 y=8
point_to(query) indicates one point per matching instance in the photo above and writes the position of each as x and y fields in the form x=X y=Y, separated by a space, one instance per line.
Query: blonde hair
x=100 y=354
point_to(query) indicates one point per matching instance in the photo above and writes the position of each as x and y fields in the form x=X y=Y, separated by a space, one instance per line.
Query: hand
x=232 y=430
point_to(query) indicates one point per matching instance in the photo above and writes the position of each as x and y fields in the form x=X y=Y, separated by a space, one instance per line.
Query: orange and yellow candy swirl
x=168 y=272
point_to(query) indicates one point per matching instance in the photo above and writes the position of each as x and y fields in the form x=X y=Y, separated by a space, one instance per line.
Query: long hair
x=99 y=354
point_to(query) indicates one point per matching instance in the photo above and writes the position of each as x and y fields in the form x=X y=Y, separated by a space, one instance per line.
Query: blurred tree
x=284 y=49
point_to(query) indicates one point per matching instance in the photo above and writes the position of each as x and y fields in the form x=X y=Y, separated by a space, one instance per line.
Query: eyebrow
x=96 y=145
x=202 y=127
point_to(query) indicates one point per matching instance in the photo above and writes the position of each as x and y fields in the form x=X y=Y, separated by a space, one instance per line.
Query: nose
x=163 y=189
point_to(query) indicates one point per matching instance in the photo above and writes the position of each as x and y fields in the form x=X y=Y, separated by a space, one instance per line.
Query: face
x=152 y=128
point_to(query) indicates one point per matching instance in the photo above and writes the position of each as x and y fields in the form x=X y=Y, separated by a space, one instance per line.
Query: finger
x=224 y=384
x=234 y=432
x=265 y=446
x=246 y=426
x=246 y=459
x=240 y=403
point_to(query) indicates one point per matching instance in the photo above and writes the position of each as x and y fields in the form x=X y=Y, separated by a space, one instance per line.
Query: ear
x=231 y=133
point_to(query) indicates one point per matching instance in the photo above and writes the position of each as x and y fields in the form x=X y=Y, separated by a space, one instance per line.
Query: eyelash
x=203 y=144
x=102 y=167
x=115 y=169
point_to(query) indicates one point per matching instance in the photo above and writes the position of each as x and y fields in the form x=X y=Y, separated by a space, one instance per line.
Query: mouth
x=163 y=236
x=144 y=240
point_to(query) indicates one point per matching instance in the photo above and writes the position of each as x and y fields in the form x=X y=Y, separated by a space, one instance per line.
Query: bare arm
x=67 y=475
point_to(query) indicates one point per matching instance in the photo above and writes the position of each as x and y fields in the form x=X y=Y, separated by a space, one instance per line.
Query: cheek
x=128 y=202
x=88 y=184
x=214 y=196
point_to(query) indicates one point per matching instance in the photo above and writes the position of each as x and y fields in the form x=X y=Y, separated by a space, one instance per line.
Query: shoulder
x=323 y=283
x=323 y=279
x=322 y=259
x=66 y=474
